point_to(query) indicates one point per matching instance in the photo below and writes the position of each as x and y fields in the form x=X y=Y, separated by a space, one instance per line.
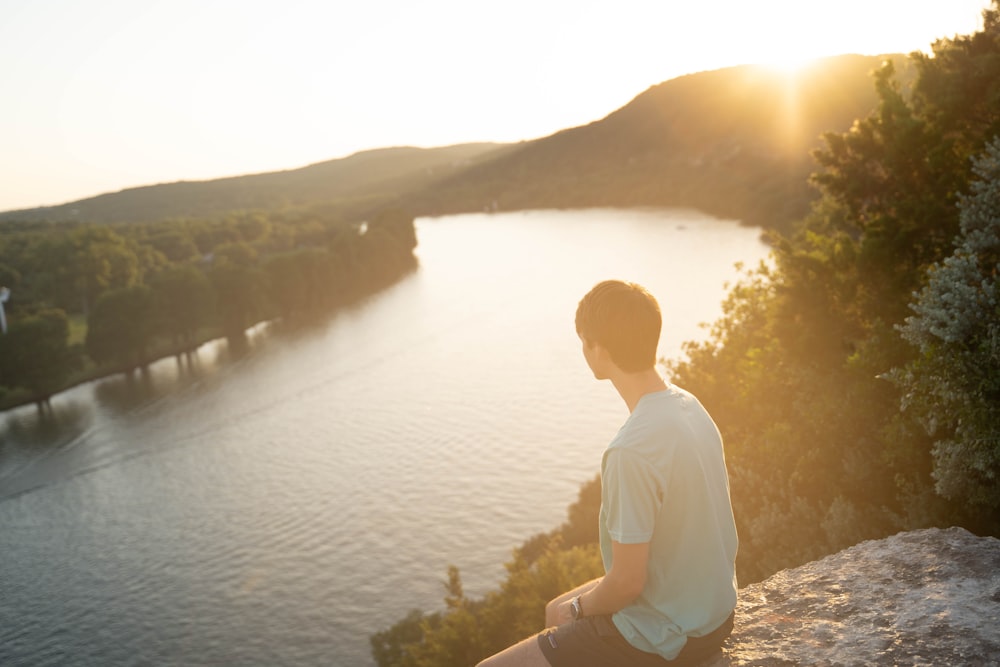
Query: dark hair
x=624 y=319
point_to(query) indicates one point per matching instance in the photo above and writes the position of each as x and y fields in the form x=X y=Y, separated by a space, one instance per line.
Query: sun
x=791 y=51
x=791 y=64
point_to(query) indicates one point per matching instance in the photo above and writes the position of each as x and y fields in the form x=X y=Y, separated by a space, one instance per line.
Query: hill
x=369 y=175
x=733 y=142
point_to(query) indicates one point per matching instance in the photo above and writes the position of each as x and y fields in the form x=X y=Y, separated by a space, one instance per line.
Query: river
x=280 y=506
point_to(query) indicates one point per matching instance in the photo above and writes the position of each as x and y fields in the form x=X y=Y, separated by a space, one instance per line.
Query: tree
x=120 y=328
x=953 y=385
x=239 y=297
x=174 y=242
x=77 y=268
x=300 y=284
x=819 y=454
x=35 y=354
x=209 y=234
x=891 y=186
x=252 y=227
x=182 y=303
x=959 y=87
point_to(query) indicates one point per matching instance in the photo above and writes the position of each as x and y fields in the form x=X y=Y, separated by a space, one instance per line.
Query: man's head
x=624 y=319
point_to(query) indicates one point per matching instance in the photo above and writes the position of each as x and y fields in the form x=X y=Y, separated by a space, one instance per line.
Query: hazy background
x=97 y=96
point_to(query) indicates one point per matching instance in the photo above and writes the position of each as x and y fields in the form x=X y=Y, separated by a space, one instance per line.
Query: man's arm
x=553 y=608
x=620 y=586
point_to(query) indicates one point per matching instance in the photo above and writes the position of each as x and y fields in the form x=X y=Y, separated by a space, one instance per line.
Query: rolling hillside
x=733 y=142
x=374 y=175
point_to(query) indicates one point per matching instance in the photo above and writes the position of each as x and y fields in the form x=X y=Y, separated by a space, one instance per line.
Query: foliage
x=239 y=290
x=895 y=185
x=469 y=630
x=796 y=370
x=35 y=354
x=300 y=282
x=183 y=303
x=953 y=385
x=76 y=268
x=147 y=290
x=120 y=327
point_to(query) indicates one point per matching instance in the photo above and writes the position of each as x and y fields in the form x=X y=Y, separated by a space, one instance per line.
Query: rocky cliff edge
x=926 y=597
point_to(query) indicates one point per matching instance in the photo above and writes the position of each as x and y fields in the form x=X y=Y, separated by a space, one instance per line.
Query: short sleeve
x=633 y=496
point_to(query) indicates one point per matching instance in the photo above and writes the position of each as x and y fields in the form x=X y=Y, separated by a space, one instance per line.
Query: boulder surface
x=926 y=597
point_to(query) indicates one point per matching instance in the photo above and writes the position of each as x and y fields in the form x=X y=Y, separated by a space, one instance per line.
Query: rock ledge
x=926 y=597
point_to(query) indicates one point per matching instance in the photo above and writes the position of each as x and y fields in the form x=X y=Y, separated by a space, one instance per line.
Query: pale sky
x=100 y=95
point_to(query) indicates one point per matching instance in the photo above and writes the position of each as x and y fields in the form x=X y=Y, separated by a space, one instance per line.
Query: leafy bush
x=953 y=386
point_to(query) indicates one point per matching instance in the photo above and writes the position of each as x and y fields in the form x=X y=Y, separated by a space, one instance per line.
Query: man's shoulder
x=647 y=433
x=664 y=421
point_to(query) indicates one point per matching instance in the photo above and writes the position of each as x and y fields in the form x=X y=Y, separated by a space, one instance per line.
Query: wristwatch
x=576 y=608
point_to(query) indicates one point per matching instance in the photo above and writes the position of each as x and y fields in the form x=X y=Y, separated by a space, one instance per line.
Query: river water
x=279 y=506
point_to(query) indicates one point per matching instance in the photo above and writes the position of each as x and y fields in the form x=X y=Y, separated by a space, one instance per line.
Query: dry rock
x=926 y=597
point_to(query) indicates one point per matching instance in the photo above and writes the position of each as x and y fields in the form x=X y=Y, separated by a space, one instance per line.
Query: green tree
x=174 y=243
x=893 y=189
x=120 y=327
x=958 y=88
x=252 y=227
x=239 y=297
x=301 y=284
x=35 y=354
x=210 y=234
x=183 y=303
x=77 y=268
x=239 y=254
x=819 y=454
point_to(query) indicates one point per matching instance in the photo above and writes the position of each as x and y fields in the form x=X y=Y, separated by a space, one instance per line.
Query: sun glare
x=792 y=64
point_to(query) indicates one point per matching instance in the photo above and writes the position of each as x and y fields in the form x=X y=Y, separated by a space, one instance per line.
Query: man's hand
x=555 y=611
x=622 y=584
x=563 y=612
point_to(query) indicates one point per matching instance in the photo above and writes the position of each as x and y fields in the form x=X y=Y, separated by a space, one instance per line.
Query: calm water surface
x=279 y=507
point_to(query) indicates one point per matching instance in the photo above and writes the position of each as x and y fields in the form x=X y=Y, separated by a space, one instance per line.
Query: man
x=668 y=540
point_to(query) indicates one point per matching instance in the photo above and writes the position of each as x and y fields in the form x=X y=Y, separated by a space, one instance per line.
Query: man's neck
x=633 y=386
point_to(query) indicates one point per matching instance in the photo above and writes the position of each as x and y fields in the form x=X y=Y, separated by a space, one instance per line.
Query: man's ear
x=603 y=354
x=594 y=348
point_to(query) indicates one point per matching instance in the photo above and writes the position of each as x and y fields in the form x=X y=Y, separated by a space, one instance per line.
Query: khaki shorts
x=594 y=641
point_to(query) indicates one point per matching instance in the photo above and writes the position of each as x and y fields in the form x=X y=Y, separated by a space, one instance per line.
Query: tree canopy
x=142 y=291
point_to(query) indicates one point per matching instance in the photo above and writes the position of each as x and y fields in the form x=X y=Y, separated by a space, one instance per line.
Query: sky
x=101 y=95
